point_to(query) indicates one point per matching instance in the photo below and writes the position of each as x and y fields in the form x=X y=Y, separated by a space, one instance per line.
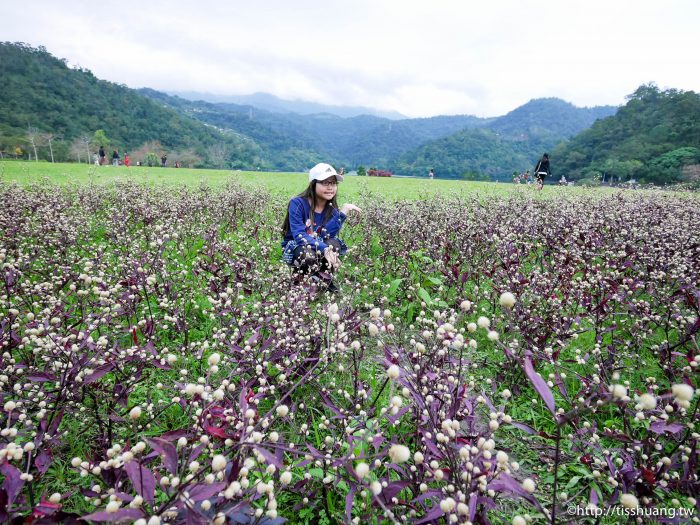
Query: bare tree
x=48 y=138
x=86 y=141
x=218 y=154
x=187 y=157
x=33 y=136
x=77 y=149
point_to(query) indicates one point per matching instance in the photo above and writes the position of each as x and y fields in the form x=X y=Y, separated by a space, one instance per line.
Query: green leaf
x=573 y=482
x=394 y=286
x=424 y=295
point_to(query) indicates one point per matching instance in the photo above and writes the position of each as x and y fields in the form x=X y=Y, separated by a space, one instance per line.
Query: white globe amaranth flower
x=682 y=392
x=362 y=469
x=528 y=485
x=393 y=372
x=286 y=477
x=375 y=313
x=447 y=505
x=399 y=453
x=376 y=488
x=465 y=305
x=629 y=501
x=55 y=497
x=218 y=463
x=112 y=506
x=618 y=391
x=373 y=330
x=214 y=359
x=647 y=401
x=282 y=410
x=507 y=300
x=519 y=520
x=135 y=412
x=493 y=335
x=154 y=520
x=483 y=322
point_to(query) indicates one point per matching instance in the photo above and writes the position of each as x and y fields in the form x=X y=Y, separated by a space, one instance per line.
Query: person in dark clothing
x=311 y=244
x=115 y=158
x=542 y=170
x=102 y=155
x=163 y=160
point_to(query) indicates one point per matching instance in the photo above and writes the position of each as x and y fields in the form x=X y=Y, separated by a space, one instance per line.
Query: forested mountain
x=655 y=137
x=42 y=97
x=502 y=145
x=290 y=140
x=453 y=145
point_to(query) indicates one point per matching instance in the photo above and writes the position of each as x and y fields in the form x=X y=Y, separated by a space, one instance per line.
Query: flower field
x=488 y=360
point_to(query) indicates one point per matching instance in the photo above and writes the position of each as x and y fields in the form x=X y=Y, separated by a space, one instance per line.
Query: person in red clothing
x=126 y=160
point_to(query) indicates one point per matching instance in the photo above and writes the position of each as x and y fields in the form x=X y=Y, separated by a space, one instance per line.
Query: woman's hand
x=332 y=257
x=347 y=209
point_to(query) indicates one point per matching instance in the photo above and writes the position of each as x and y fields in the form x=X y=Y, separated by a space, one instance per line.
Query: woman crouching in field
x=311 y=244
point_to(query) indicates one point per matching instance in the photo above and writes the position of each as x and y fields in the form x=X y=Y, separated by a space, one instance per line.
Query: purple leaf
x=204 y=491
x=660 y=426
x=196 y=452
x=167 y=452
x=98 y=373
x=270 y=457
x=472 y=506
x=525 y=428
x=506 y=483
x=433 y=514
x=142 y=480
x=120 y=515
x=13 y=483
x=539 y=384
x=349 y=500
x=42 y=461
x=41 y=377
x=393 y=489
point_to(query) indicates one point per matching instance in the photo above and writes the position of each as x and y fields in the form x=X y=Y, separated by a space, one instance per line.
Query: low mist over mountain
x=272 y=103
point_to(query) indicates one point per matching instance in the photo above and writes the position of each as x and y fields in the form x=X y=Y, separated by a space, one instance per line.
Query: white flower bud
x=218 y=463
x=399 y=453
x=507 y=300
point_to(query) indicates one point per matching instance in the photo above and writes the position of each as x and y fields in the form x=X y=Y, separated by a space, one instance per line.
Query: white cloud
x=419 y=58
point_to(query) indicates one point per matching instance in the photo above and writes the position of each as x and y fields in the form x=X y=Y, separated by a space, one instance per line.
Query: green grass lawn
x=277 y=183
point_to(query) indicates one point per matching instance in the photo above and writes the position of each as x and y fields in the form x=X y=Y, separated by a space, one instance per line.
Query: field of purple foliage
x=497 y=360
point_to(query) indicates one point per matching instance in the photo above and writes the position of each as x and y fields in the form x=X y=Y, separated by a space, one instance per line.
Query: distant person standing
x=127 y=161
x=431 y=174
x=542 y=170
x=102 y=155
x=163 y=160
x=115 y=158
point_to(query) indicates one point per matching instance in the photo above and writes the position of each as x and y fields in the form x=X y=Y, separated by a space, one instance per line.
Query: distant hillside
x=274 y=104
x=655 y=137
x=502 y=145
x=40 y=91
x=293 y=141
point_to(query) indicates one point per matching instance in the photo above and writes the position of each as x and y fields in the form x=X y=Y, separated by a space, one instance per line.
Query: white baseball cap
x=323 y=171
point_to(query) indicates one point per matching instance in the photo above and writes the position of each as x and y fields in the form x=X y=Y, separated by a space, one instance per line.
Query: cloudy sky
x=420 y=58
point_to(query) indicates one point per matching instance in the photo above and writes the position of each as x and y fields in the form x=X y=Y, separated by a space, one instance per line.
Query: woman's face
x=326 y=189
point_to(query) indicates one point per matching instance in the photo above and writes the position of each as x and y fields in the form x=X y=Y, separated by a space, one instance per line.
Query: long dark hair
x=310 y=195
